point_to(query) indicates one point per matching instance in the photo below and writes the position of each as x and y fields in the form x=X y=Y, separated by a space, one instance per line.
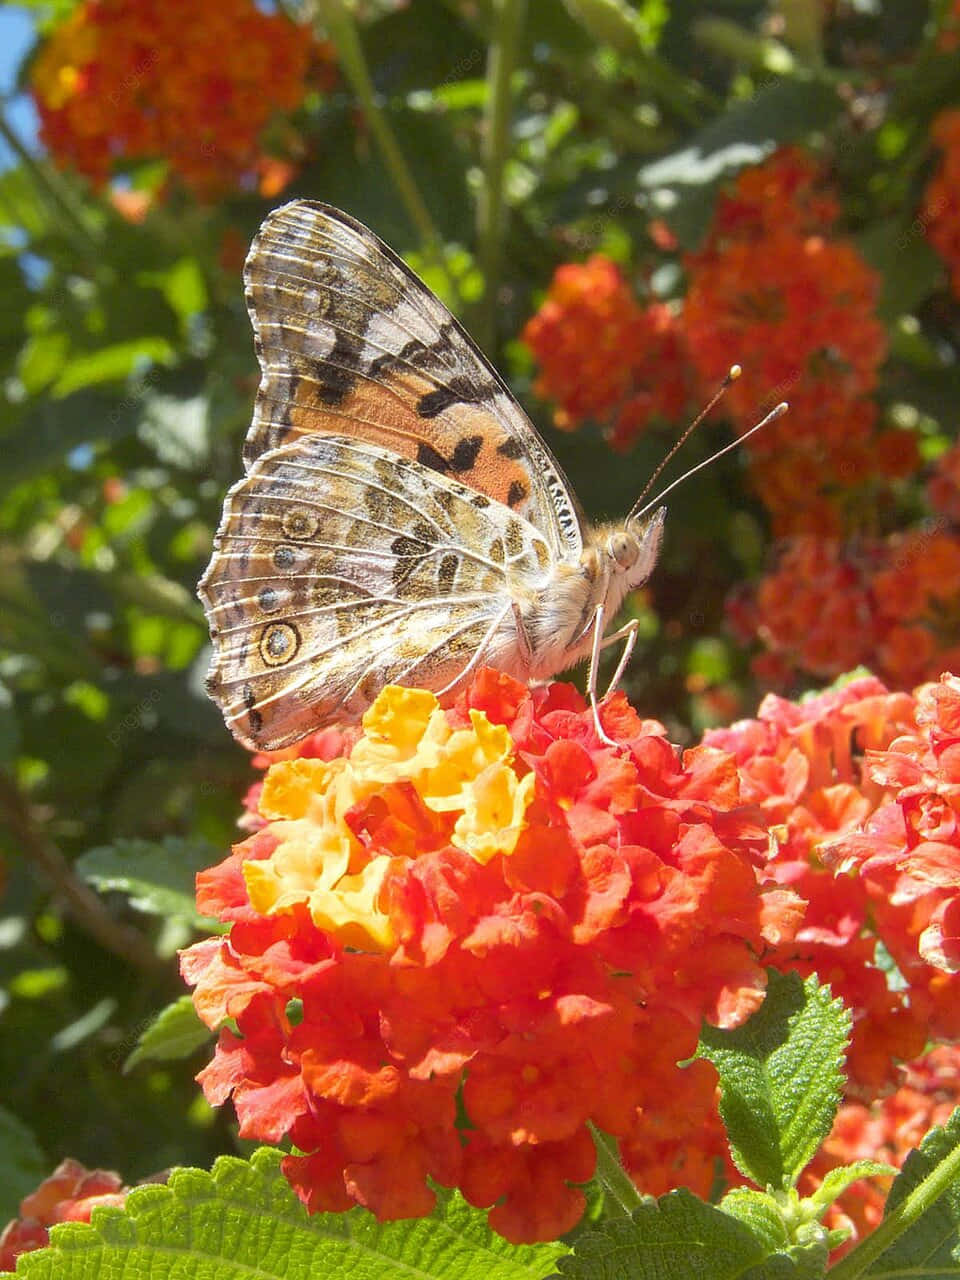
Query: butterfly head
x=634 y=546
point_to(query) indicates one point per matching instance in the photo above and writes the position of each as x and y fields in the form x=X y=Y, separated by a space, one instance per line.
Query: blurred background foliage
x=491 y=143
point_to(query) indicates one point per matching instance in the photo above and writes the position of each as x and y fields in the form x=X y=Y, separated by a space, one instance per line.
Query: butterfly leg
x=629 y=635
x=592 y=671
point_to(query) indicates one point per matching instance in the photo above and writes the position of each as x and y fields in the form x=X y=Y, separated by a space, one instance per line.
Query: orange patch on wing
x=371 y=414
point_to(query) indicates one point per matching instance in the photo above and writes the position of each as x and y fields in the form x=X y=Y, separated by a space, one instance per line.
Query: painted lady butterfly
x=401 y=521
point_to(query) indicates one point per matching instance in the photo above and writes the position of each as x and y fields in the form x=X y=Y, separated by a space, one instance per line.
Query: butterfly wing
x=339 y=568
x=351 y=342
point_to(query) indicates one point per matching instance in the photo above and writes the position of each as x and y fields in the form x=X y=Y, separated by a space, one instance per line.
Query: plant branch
x=49 y=188
x=338 y=20
x=83 y=905
x=501 y=62
x=917 y=1203
x=612 y=1176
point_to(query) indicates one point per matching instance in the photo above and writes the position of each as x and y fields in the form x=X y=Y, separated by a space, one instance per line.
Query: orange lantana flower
x=604 y=356
x=122 y=81
x=480 y=911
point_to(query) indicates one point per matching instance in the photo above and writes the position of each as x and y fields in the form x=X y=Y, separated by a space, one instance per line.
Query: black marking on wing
x=465 y=453
x=427 y=456
x=456 y=391
x=510 y=448
x=518 y=491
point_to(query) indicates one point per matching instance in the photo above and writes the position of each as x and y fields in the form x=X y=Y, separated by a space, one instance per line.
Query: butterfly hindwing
x=351 y=342
x=340 y=568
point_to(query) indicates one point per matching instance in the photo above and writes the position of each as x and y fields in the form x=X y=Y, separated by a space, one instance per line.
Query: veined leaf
x=243 y=1220
x=780 y=1078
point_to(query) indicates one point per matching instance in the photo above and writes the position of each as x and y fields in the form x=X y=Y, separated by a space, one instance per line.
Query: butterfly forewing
x=351 y=342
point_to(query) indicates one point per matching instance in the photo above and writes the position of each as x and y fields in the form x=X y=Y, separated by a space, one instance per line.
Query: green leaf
x=908 y=266
x=113 y=363
x=780 y=1077
x=21 y=205
x=158 y=877
x=182 y=285
x=242 y=1220
x=42 y=360
x=787 y=110
x=22 y=1164
x=175 y=1033
x=618 y=24
x=758 y=1211
x=48 y=430
x=838 y=1180
x=789 y=1228
x=681 y=1237
x=931 y=1245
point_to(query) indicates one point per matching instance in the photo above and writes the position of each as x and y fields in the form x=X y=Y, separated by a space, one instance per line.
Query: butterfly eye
x=622 y=547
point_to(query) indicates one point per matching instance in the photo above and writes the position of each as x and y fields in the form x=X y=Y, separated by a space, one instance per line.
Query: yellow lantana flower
x=407 y=738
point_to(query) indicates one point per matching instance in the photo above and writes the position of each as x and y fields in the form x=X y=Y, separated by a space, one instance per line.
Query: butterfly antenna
x=636 y=511
x=732 y=375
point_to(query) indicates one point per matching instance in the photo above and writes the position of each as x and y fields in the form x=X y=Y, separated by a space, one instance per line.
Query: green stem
x=501 y=61
x=338 y=20
x=910 y=1210
x=87 y=910
x=48 y=187
x=612 y=1176
x=802 y=30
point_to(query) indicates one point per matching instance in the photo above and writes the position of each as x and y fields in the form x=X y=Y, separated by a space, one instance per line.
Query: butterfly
x=400 y=521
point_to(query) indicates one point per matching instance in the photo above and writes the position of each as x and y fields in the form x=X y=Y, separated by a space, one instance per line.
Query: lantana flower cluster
x=122 y=81
x=940 y=214
x=775 y=285
x=482 y=929
x=828 y=606
x=855 y=784
x=817 y=769
x=69 y=1194
x=605 y=356
x=907 y=854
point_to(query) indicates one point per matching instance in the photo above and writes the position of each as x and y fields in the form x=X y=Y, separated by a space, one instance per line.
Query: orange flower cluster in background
x=470 y=915
x=775 y=287
x=605 y=357
x=69 y=1195
x=891 y=604
x=122 y=81
x=886 y=1130
x=943 y=488
x=940 y=213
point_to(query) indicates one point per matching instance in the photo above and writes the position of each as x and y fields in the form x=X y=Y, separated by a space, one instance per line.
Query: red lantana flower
x=940 y=214
x=907 y=856
x=603 y=355
x=828 y=606
x=803 y=308
x=482 y=929
x=803 y=763
x=787 y=191
x=774 y=286
x=69 y=1194
x=123 y=81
